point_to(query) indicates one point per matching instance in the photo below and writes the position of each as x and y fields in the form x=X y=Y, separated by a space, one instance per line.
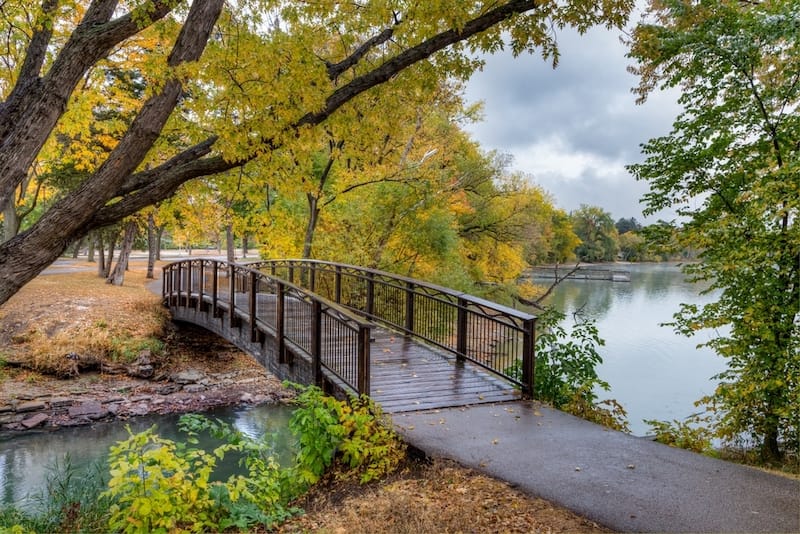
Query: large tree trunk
x=117 y=276
x=159 y=237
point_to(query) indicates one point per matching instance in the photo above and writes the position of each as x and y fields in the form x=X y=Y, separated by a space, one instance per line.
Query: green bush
x=565 y=372
x=693 y=433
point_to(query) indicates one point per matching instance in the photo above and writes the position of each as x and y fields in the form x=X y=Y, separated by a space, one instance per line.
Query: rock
x=246 y=397
x=168 y=389
x=194 y=388
x=30 y=406
x=189 y=376
x=35 y=420
x=89 y=409
x=60 y=402
x=6 y=408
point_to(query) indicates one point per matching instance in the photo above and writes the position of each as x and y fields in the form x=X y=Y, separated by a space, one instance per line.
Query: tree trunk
x=101 y=255
x=76 y=248
x=110 y=259
x=10 y=221
x=229 y=243
x=244 y=245
x=152 y=244
x=117 y=277
x=90 y=249
x=311 y=226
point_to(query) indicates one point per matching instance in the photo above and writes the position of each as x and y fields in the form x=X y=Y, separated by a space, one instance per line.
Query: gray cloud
x=573 y=128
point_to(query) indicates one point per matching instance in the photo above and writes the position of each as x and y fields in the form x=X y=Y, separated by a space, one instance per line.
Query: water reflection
x=26 y=460
x=653 y=372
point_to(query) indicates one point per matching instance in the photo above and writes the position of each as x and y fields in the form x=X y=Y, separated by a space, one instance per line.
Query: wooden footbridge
x=407 y=344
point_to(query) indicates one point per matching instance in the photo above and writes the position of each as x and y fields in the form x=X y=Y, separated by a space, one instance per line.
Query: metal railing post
x=370 y=304
x=461 y=330
x=280 y=324
x=337 y=285
x=253 y=302
x=231 y=294
x=214 y=288
x=409 y=322
x=364 y=334
x=528 y=357
x=201 y=285
x=316 y=341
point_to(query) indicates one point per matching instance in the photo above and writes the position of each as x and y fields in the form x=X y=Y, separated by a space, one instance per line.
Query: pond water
x=27 y=460
x=653 y=372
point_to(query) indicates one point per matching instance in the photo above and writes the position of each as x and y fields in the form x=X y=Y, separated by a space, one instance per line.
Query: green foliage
x=730 y=168
x=693 y=434
x=158 y=485
x=597 y=232
x=565 y=373
x=367 y=445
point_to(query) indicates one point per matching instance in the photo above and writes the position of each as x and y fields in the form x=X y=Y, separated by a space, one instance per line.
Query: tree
x=271 y=72
x=730 y=167
x=595 y=228
x=628 y=225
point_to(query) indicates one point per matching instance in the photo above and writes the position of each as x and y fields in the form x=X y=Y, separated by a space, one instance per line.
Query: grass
x=62 y=320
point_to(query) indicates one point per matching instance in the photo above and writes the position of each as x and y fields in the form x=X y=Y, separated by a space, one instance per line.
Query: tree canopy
x=222 y=84
x=730 y=168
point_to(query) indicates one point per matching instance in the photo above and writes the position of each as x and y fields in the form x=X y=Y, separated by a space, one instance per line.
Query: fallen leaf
x=495 y=441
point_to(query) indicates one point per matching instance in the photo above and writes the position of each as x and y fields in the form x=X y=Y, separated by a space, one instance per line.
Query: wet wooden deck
x=407 y=375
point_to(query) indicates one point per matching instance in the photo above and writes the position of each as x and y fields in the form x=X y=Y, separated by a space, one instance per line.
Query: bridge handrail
x=210 y=283
x=495 y=337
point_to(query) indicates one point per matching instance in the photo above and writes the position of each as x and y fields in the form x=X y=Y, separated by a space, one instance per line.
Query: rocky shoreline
x=97 y=397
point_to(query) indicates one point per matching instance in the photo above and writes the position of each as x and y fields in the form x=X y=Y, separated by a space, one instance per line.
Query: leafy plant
x=693 y=433
x=565 y=373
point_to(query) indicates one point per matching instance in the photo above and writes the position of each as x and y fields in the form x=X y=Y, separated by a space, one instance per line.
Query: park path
x=620 y=481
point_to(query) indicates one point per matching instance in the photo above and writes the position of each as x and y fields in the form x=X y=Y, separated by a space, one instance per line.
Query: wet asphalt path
x=626 y=483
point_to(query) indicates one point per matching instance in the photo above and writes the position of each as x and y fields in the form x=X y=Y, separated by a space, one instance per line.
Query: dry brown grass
x=80 y=314
x=438 y=498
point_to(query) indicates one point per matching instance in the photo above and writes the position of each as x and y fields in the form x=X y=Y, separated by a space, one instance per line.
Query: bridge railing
x=332 y=337
x=490 y=335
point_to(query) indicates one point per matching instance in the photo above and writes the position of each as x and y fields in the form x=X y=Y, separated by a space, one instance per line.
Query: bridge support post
x=232 y=297
x=316 y=341
x=364 y=334
x=528 y=357
x=280 y=324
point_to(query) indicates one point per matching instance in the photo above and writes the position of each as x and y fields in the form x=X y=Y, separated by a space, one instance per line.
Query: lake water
x=653 y=372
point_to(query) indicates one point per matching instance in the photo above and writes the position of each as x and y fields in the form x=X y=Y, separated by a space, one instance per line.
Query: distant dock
x=552 y=272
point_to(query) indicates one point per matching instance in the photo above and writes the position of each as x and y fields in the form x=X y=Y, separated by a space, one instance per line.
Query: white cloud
x=573 y=128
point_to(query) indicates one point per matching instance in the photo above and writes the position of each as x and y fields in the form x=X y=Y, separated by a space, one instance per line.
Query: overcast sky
x=573 y=128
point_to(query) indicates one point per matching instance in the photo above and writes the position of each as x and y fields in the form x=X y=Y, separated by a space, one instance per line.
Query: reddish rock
x=35 y=420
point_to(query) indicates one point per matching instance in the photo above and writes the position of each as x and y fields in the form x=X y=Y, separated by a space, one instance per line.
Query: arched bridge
x=408 y=344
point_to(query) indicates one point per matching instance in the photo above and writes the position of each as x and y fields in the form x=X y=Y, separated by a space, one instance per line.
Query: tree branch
x=336 y=69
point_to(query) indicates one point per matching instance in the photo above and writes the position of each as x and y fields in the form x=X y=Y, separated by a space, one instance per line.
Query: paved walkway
x=626 y=483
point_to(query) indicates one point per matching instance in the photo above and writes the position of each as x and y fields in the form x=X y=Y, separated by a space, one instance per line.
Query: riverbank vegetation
x=729 y=167
x=154 y=484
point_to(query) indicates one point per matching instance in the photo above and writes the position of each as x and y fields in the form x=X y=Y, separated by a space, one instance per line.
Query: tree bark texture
x=152 y=243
